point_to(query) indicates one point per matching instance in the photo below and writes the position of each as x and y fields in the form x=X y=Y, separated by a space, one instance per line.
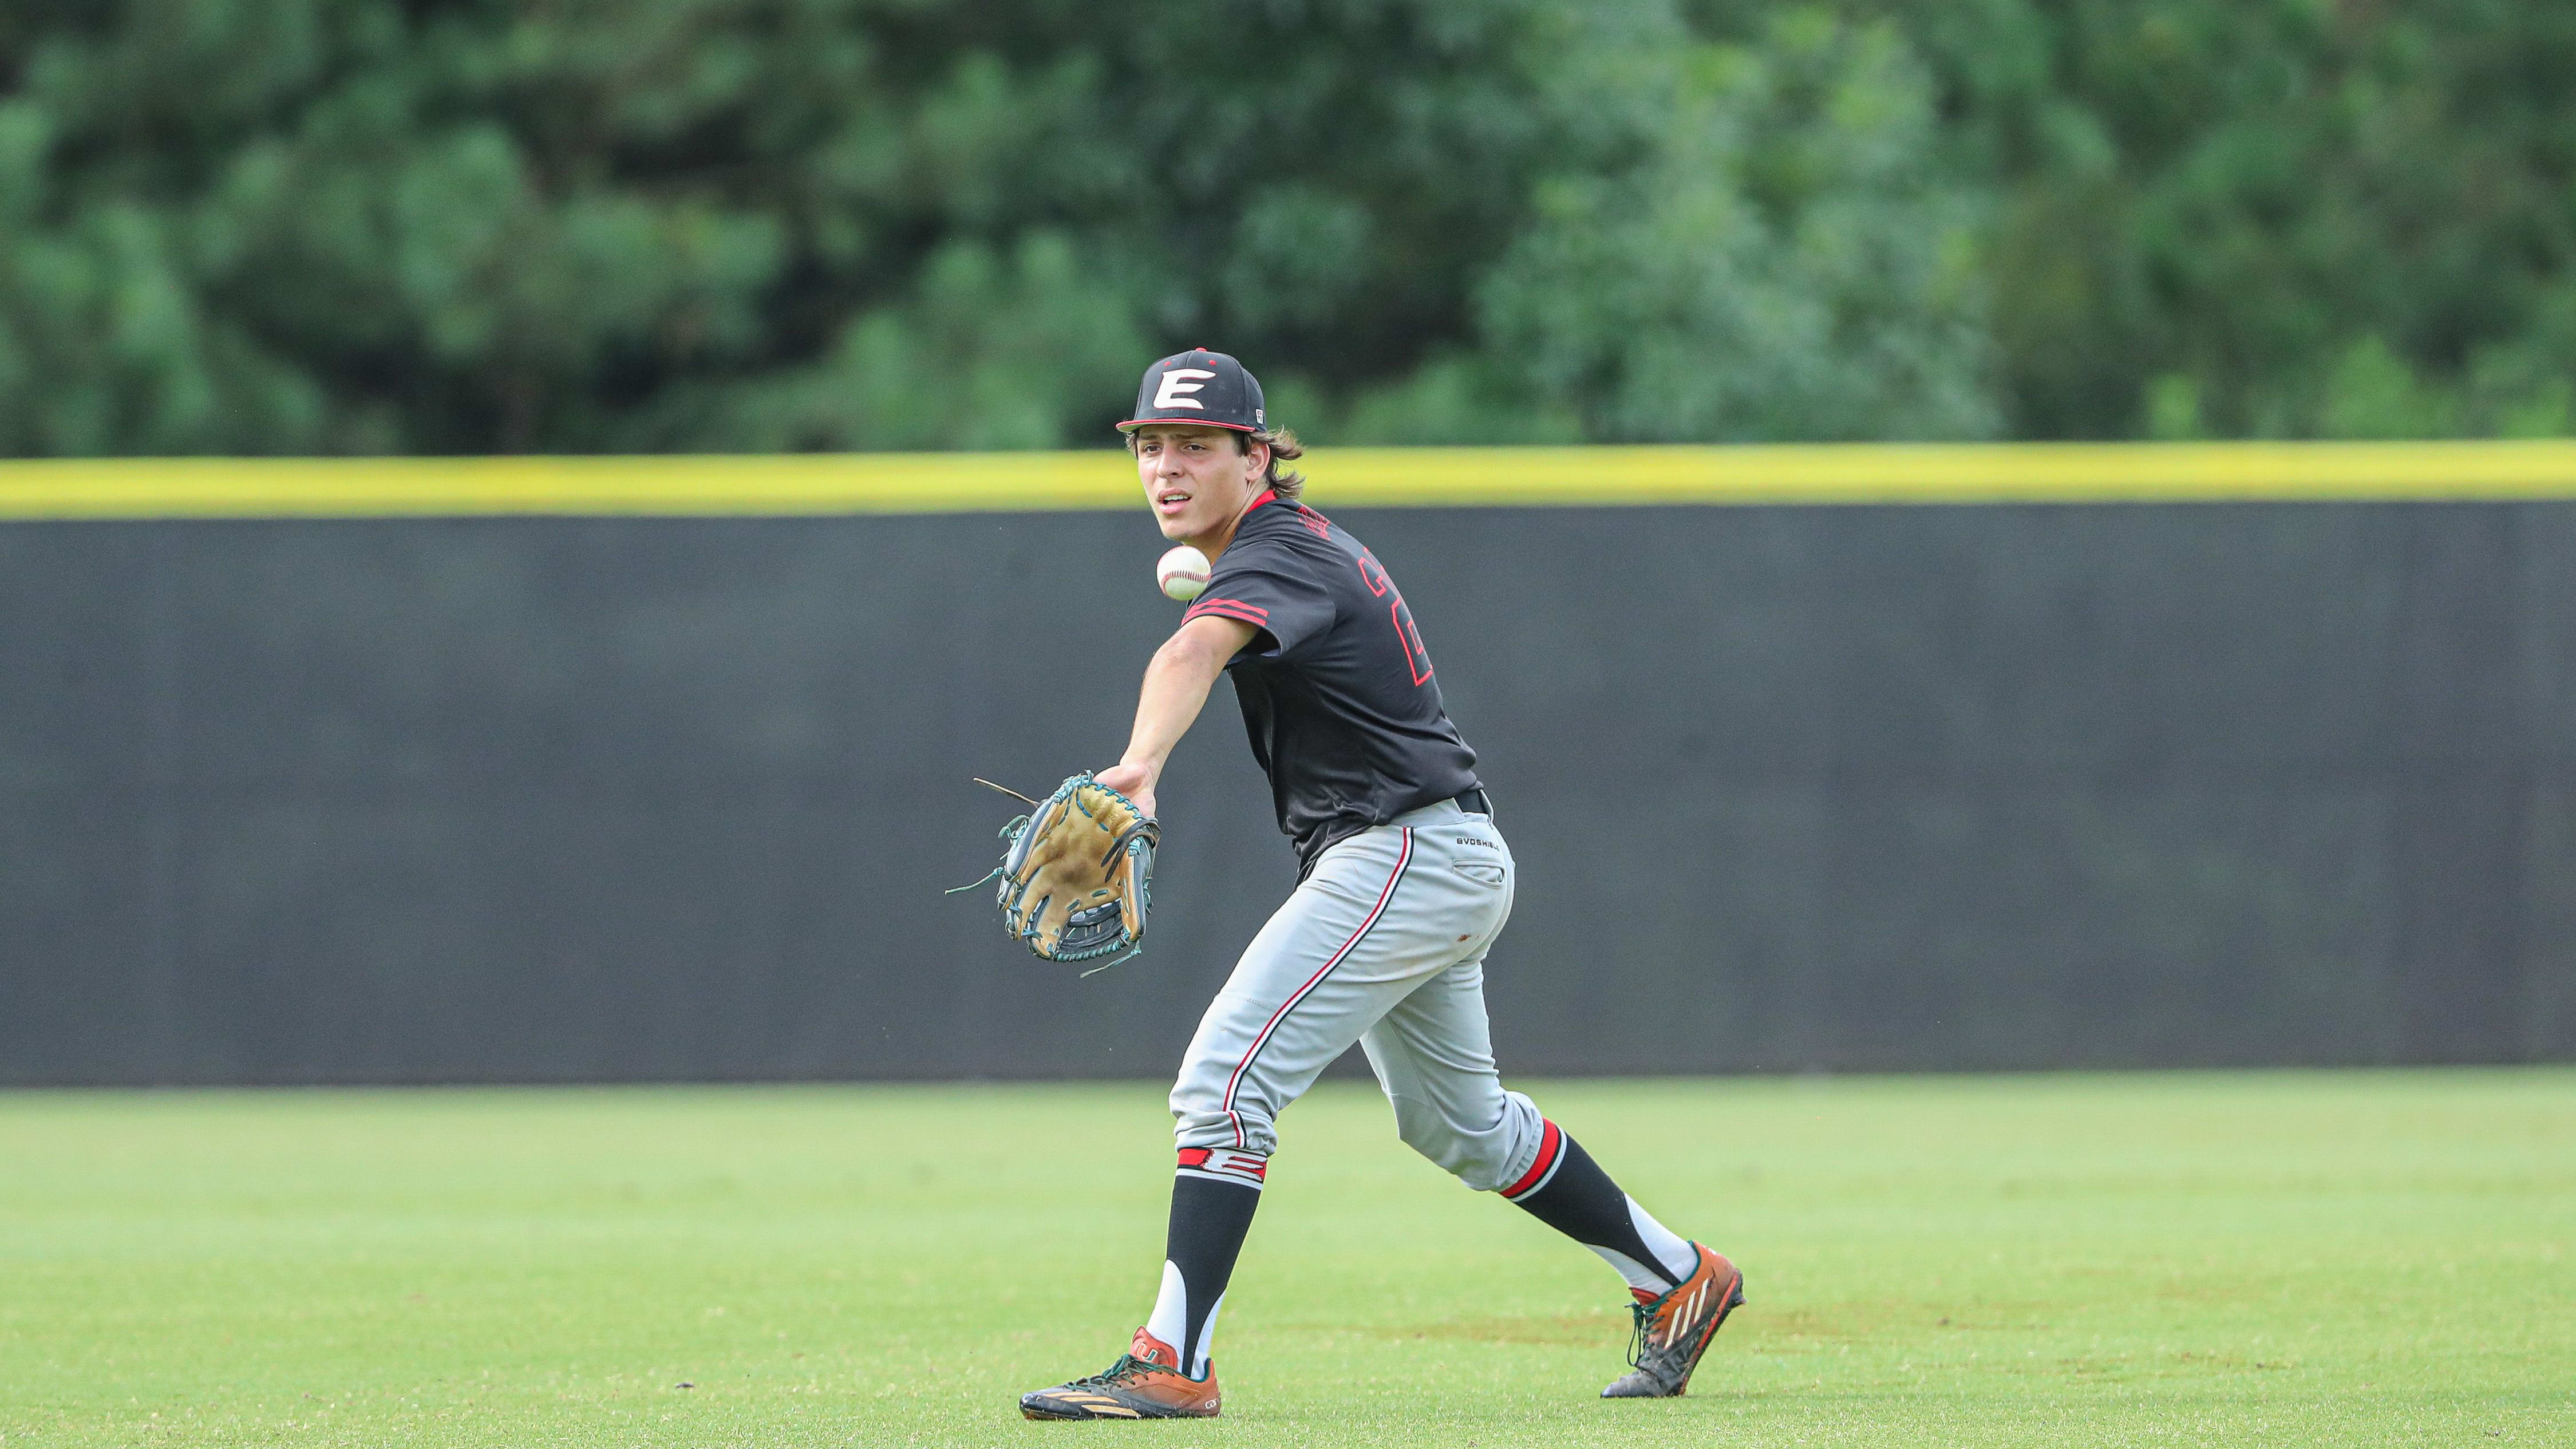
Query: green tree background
x=356 y=226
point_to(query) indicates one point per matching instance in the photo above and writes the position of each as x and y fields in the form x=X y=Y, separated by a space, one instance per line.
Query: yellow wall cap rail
x=821 y=484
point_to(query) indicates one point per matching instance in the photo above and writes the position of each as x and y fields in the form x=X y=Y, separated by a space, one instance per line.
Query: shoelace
x=1637 y=1337
x=1129 y=1366
x=1640 y=1338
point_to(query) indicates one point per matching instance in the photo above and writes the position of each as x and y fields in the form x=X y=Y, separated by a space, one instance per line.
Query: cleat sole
x=1044 y=1410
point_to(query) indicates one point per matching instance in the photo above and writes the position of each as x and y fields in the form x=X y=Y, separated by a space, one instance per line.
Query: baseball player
x=1406 y=883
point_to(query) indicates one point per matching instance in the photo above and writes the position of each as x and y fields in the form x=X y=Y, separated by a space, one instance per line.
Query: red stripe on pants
x=1404 y=853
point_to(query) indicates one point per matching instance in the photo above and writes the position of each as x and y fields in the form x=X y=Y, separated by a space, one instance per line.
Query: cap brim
x=1188 y=423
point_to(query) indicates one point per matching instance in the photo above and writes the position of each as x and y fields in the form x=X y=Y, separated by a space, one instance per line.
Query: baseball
x=1183 y=573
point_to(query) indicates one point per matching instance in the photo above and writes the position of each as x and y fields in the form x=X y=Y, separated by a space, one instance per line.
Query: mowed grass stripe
x=930 y=483
x=2316 y=1258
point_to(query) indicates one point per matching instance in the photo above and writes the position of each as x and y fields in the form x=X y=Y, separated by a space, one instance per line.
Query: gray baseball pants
x=1384 y=944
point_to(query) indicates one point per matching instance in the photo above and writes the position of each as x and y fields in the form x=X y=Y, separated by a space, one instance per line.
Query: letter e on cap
x=1176 y=386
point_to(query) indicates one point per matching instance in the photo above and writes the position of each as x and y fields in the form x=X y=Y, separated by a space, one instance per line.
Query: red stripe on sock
x=1550 y=1143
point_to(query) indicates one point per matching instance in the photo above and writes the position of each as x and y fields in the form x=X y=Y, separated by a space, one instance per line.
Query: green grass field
x=2362 y=1258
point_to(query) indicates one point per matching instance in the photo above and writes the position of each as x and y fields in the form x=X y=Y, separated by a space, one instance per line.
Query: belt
x=1473 y=801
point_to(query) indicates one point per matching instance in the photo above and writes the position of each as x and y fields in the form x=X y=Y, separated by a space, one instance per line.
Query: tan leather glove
x=1076 y=873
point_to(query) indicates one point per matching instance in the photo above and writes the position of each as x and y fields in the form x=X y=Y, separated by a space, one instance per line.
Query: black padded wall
x=619 y=799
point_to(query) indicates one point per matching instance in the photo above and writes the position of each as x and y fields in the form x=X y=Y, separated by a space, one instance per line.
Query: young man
x=1406 y=884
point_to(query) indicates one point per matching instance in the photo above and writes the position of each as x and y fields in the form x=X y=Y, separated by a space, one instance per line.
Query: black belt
x=1473 y=801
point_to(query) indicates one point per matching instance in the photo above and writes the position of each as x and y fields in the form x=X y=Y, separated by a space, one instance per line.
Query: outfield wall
x=563 y=785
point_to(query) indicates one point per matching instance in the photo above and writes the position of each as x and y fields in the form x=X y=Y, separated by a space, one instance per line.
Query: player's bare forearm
x=1176 y=688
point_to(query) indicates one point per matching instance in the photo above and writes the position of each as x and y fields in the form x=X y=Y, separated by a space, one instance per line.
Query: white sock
x=1677 y=1256
x=1171 y=1318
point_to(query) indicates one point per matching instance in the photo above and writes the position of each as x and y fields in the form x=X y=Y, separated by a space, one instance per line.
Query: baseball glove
x=1075 y=873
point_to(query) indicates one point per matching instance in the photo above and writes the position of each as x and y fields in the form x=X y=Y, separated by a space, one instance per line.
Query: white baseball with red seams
x=1384 y=944
x=1182 y=574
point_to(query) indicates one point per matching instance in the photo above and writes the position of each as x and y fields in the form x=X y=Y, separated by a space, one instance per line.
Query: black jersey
x=1336 y=690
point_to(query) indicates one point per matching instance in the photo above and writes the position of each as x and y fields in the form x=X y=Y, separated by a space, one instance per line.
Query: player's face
x=1197 y=480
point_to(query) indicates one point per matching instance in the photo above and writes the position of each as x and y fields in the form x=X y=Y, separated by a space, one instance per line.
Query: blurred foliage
x=469 y=225
x=2266 y=218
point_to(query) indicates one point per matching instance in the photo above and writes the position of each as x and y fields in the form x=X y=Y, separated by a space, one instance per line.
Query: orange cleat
x=1145 y=1383
x=1674 y=1330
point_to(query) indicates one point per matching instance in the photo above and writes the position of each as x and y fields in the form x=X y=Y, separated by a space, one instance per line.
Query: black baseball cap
x=1198 y=386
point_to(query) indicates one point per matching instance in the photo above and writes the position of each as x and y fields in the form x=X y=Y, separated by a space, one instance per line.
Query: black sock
x=1565 y=1189
x=1210 y=1216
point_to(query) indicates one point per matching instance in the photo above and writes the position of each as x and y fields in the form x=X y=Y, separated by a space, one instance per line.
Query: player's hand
x=1133 y=781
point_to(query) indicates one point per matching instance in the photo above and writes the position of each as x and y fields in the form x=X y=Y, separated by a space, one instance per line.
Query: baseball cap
x=1198 y=386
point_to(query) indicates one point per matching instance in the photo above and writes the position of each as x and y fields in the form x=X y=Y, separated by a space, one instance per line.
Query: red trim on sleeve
x=1234 y=609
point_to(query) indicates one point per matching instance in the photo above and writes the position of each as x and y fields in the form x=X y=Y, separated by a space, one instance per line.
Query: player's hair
x=1284 y=448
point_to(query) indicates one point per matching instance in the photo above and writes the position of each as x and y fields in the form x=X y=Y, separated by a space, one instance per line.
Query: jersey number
x=1416 y=658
